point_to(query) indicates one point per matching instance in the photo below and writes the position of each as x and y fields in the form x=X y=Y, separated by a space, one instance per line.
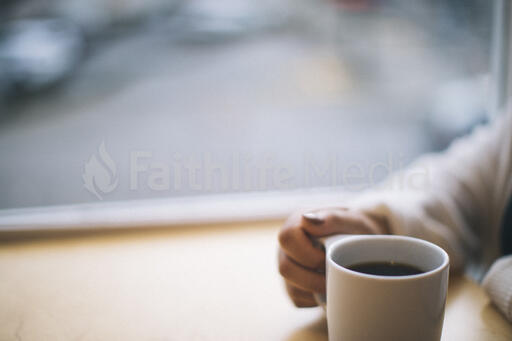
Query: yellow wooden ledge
x=194 y=283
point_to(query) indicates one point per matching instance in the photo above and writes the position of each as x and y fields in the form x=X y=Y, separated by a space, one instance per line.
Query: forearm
x=454 y=198
x=406 y=214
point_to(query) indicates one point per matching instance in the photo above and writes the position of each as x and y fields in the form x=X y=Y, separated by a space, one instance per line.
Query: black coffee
x=385 y=269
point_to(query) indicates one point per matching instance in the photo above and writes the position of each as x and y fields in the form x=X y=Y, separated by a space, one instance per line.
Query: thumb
x=336 y=221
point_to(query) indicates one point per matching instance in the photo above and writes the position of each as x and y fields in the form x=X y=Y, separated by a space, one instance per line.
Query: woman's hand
x=302 y=262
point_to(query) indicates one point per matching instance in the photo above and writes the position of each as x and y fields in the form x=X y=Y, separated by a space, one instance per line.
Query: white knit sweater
x=456 y=199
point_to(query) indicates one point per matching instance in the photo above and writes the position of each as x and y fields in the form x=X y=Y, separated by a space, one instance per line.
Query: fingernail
x=313 y=218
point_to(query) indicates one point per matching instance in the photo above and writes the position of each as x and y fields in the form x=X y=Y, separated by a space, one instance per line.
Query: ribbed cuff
x=498 y=284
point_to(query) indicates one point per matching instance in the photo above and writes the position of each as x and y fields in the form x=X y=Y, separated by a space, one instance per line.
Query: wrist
x=381 y=223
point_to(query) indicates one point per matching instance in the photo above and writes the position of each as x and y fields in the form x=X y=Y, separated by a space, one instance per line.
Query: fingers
x=301 y=262
x=298 y=246
x=300 y=298
x=337 y=221
x=299 y=276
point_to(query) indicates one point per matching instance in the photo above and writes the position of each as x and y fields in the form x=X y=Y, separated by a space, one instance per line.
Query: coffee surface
x=385 y=269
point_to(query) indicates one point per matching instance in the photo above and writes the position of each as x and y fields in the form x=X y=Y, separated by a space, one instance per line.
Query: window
x=105 y=101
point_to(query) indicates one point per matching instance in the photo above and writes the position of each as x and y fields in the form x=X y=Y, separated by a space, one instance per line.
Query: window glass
x=120 y=100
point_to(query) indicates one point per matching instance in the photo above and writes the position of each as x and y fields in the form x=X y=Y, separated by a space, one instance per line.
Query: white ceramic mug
x=370 y=307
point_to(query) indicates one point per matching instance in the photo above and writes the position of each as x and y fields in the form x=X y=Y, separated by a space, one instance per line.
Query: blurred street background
x=131 y=99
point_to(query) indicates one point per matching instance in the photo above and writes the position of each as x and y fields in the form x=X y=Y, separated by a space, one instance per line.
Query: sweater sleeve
x=455 y=198
x=498 y=284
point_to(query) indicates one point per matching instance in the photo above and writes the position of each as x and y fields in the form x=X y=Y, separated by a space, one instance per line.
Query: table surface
x=193 y=283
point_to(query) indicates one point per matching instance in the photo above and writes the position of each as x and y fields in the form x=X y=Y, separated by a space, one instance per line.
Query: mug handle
x=326 y=242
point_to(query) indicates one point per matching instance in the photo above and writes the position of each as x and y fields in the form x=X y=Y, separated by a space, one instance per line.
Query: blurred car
x=36 y=53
